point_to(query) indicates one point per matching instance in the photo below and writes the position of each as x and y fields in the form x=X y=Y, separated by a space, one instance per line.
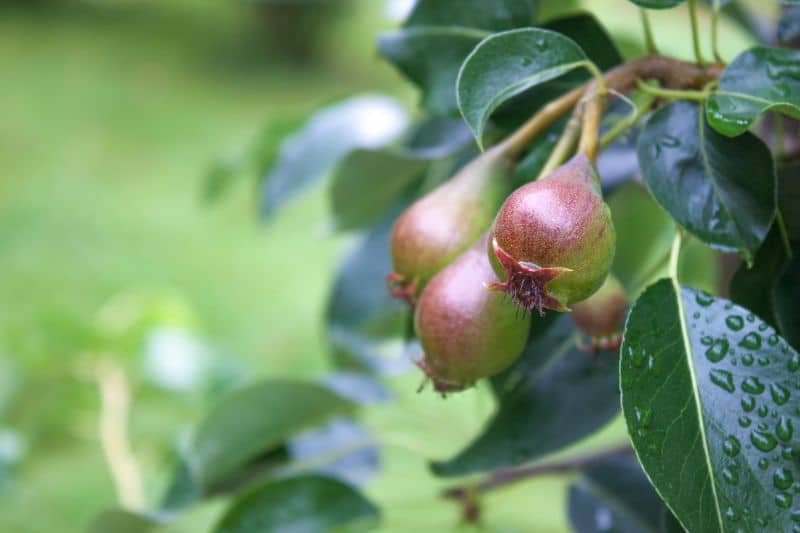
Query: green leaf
x=614 y=495
x=367 y=183
x=362 y=318
x=254 y=420
x=789 y=27
x=787 y=296
x=507 y=64
x=721 y=189
x=309 y=154
x=589 y=34
x=307 y=503
x=542 y=401
x=758 y=80
x=709 y=394
x=490 y=15
x=657 y=4
x=119 y=521
x=754 y=287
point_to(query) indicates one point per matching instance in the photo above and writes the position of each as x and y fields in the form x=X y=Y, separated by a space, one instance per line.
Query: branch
x=507 y=476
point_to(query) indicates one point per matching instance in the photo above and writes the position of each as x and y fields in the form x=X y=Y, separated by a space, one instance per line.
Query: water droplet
x=763 y=464
x=638 y=357
x=735 y=322
x=722 y=379
x=784 y=429
x=731 y=514
x=750 y=317
x=748 y=403
x=779 y=393
x=763 y=326
x=717 y=351
x=704 y=299
x=696 y=315
x=794 y=362
x=763 y=361
x=706 y=340
x=762 y=426
x=745 y=421
x=751 y=341
x=753 y=385
x=782 y=479
x=783 y=500
x=670 y=141
x=730 y=476
x=643 y=416
x=772 y=340
x=787 y=453
x=763 y=441
x=731 y=446
x=747 y=359
x=795 y=516
x=541 y=45
x=728 y=306
x=763 y=411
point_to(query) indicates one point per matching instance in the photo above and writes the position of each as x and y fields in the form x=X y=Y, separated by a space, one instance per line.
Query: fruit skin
x=467 y=331
x=553 y=240
x=435 y=229
x=600 y=315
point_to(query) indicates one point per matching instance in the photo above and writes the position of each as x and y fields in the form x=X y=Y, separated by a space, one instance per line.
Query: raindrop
x=670 y=141
x=795 y=516
x=750 y=317
x=745 y=421
x=643 y=416
x=787 y=453
x=783 y=500
x=704 y=299
x=763 y=361
x=706 y=340
x=730 y=476
x=717 y=351
x=722 y=379
x=728 y=305
x=731 y=514
x=639 y=357
x=794 y=362
x=731 y=446
x=763 y=441
x=748 y=403
x=747 y=359
x=772 y=340
x=779 y=393
x=696 y=315
x=763 y=411
x=751 y=341
x=762 y=327
x=735 y=322
x=762 y=426
x=784 y=429
x=541 y=45
x=753 y=385
x=763 y=464
x=782 y=479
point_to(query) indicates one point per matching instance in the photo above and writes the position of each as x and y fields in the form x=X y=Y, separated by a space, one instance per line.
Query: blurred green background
x=112 y=113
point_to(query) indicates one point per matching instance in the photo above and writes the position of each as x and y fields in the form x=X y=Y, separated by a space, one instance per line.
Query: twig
x=649 y=41
x=698 y=54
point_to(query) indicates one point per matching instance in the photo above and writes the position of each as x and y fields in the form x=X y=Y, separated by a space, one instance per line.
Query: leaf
x=505 y=65
x=253 y=420
x=787 y=295
x=364 y=323
x=657 y=4
x=720 y=189
x=553 y=395
x=438 y=137
x=754 y=287
x=305 y=157
x=589 y=34
x=367 y=183
x=709 y=394
x=614 y=495
x=307 y=503
x=490 y=15
x=757 y=80
x=120 y=521
x=789 y=26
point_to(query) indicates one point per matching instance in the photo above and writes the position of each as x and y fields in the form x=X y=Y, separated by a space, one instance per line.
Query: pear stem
x=565 y=143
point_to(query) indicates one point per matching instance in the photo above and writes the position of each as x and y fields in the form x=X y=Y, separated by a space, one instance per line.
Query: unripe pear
x=553 y=240
x=435 y=229
x=467 y=331
x=600 y=315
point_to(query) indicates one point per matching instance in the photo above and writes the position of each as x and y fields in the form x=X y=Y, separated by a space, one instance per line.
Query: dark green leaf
x=754 y=287
x=309 y=154
x=438 y=137
x=789 y=199
x=721 y=189
x=361 y=315
x=253 y=420
x=614 y=495
x=758 y=80
x=657 y=4
x=709 y=393
x=302 y=504
x=787 y=296
x=553 y=395
x=789 y=27
x=589 y=34
x=119 y=521
x=491 y=15
x=507 y=64
x=367 y=183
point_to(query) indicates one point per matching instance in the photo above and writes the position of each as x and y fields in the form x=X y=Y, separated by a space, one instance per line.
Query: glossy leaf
x=367 y=183
x=721 y=189
x=758 y=80
x=120 y=521
x=364 y=323
x=614 y=495
x=254 y=420
x=553 y=395
x=709 y=394
x=308 y=155
x=657 y=4
x=307 y=503
x=507 y=64
x=490 y=15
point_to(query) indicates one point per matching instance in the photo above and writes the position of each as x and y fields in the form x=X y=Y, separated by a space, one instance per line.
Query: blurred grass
x=110 y=116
